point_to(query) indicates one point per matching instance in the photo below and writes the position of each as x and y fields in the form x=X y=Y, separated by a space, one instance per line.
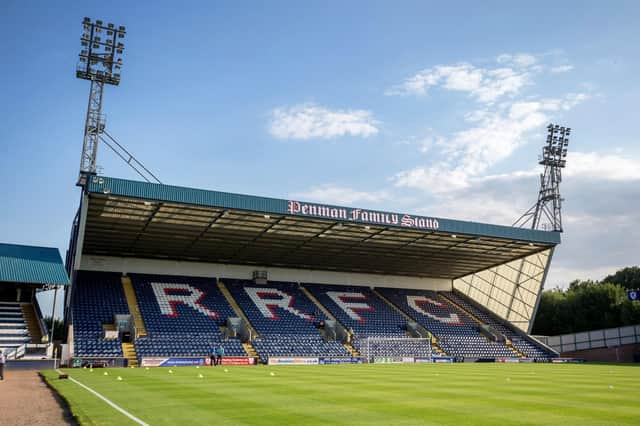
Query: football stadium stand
x=178 y=234
x=287 y=321
x=183 y=316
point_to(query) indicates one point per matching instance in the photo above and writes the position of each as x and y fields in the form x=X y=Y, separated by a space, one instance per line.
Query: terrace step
x=353 y=351
x=514 y=349
x=236 y=308
x=14 y=332
x=33 y=325
x=11 y=325
x=129 y=352
x=436 y=347
x=250 y=350
x=134 y=307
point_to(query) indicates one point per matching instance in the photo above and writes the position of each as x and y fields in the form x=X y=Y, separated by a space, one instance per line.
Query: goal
x=395 y=349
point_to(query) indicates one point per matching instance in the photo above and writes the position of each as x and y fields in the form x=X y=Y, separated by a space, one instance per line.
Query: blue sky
x=407 y=106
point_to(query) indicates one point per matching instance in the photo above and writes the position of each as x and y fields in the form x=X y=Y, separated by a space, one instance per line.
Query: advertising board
x=293 y=361
x=171 y=362
x=338 y=360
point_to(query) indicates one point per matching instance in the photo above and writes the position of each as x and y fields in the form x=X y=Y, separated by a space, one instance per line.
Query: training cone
x=146 y=368
x=106 y=374
x=91 y=370
x=226 y=371
x=272 y=373
x=197 y=366
x=170 y=371
x=200 y=376
x=119 y=378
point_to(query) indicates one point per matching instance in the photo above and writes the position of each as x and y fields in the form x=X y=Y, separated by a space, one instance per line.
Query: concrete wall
x=215 y=270
x=624 y=353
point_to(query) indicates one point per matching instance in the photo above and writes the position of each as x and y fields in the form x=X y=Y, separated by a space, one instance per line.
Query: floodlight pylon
x=546 y=213
x=100 y=62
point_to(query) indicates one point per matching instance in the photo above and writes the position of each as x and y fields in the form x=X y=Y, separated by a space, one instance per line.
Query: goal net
x=396 y=349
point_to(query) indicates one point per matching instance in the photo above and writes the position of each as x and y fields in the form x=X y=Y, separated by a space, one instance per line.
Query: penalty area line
x=109 y=402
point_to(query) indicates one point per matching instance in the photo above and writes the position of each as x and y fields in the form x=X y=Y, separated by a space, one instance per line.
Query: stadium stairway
x=514 y=349
x=476 y=319
x=31 y=319
x=353 y=351
x=13 y=329
x=436 y=346
x=236 y=308
x=134 y=308
x=129 y=352
x=250 y=350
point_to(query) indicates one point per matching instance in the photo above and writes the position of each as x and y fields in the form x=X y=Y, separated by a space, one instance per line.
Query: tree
x=589 y=305
x=628 y=278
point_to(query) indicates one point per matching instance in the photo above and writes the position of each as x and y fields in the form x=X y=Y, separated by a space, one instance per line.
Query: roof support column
x=84 y=207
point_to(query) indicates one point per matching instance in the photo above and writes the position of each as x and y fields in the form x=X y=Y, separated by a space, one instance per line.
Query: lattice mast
x=100 y=62
x=546 y=213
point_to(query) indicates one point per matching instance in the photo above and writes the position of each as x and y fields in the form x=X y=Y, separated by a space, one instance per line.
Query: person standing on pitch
x=212 y=356
x=220 y=353
x=2 y=361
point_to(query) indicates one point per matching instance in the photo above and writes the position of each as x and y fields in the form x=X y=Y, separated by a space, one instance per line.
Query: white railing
x=17 y=352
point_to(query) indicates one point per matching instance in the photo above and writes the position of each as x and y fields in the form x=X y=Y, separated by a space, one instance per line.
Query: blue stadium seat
x=97 y=297
x=518 y=340
x=182 y=316
x=457 y=333
x=288 y=326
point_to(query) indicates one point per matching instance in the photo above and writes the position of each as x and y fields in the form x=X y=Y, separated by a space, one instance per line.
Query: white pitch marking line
x=112 y=404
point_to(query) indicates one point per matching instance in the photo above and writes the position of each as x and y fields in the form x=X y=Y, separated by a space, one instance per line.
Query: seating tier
x=182 y=316
x=360 y=309
x=97 y=297
x=457 y=333
x=286 y=319
x=527 y=347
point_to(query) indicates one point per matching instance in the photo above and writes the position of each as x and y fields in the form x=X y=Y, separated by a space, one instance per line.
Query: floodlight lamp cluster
x=554 y=152
x=101 y=53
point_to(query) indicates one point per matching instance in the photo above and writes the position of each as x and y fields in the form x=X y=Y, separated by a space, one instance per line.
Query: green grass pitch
x=460 y=394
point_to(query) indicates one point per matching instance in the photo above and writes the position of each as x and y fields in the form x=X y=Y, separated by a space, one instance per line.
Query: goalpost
x=396 y=348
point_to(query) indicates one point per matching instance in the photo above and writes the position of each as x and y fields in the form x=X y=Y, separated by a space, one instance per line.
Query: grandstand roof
x=139 y=219
x=31 y=265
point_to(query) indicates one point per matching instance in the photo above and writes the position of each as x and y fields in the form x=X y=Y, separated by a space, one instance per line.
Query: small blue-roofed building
x=24 y=271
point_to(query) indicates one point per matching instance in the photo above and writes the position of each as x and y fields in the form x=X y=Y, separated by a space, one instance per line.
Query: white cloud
x=311 y=121
x=495 y=135
x=611 y=167
x=561 y=68
x=519 y=59
x=486 y=85
x=332 y=194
